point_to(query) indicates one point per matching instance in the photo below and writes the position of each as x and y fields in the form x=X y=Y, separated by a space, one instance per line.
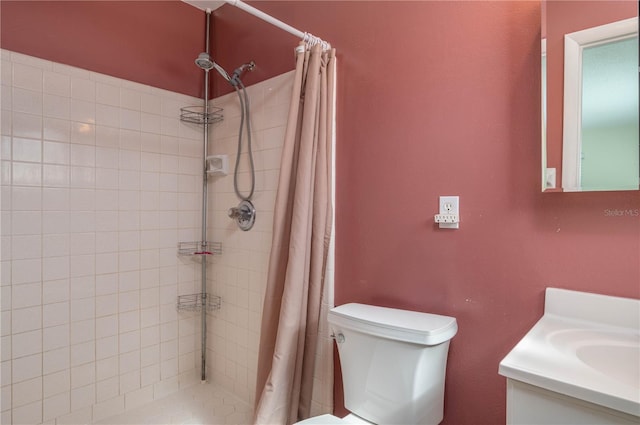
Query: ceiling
x=205 y=4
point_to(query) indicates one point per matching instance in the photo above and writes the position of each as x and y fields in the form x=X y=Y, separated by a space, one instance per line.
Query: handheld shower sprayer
x=204 y=62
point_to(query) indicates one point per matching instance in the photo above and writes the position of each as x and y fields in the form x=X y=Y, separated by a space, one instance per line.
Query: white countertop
x=593 y=360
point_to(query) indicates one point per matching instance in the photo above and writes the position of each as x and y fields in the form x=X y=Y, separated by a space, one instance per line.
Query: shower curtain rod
x=305 y=36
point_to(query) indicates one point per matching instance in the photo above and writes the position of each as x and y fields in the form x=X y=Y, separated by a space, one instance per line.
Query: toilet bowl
x=393 y=365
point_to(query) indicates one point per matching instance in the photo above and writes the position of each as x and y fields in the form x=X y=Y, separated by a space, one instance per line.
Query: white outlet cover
x=450 y=205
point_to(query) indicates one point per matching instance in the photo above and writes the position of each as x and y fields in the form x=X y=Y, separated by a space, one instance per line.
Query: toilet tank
x=393 y=362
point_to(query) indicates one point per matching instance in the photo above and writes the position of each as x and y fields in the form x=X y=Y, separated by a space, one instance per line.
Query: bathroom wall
x=151 y=42
x=434 y=98
x=442 y=98
x=100 y=180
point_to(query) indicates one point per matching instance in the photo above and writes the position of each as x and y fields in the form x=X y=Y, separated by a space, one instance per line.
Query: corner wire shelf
x=197 y=115
x=199 y=248
x=196 y=302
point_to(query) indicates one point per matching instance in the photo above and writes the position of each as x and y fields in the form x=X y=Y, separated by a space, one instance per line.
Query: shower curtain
x=293 y=303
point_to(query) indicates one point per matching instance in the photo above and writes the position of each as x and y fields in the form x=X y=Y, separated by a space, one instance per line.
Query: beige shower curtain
x=301 y=236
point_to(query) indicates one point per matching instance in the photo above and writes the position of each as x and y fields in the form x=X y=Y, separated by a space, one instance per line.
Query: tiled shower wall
x=239 y=275
x=100 y=180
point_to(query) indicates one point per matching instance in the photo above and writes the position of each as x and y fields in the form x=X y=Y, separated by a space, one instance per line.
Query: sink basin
x=612 y=352
x=585 y=346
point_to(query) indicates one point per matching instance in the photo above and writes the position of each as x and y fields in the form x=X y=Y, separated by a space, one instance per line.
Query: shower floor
x=205 y=404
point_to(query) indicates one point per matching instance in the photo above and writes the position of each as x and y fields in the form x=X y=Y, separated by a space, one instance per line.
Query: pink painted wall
x=564 y=17
x=435 y=98
x=442 y=98
x=150 y=42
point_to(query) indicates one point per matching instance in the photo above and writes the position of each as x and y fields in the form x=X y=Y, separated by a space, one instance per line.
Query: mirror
x=590 y=138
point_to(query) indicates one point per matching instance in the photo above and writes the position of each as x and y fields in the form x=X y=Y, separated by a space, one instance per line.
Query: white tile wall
x=239 y=275
x=100 y=180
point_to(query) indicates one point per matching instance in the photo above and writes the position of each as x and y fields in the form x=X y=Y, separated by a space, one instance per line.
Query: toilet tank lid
x=391 y=323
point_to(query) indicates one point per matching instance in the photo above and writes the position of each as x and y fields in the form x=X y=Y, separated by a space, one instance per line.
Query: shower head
x=205 y=63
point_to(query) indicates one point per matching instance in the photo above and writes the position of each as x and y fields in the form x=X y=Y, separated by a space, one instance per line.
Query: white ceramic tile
x=83 y=133
x=28 y=150
x=55 y=291
x=106 y=178
x=81 y=265
x=26 y=368
x=82 y=221
x=27 y=174
x=82 y=177
x=149 y=181
x=129 y=200
x=55 y=83
x=55 y=268
x=55 y=175
x=82 y=287
x=129 y=382
x=106 y=200
x=25 y=247
x=107 y=94
x=107 y=136
x=107 y=389
x=129 y=160
x=83 y=89
x=106 y=284
x=107 y=368
x=106 y=326
x=82 y=353
x=130 y=139
x=82 y=397
x=81 y=416
x=55 y=153
x=150 y=336
x=27 y=125
x=83 y=155
x=150 y=142
x=27 y=101
x=82 y=111
x=56 y=129
x=55 y=314
x=26 y=319
x=129 y=362
x=56 y=106
x=129 y=281
x=55 y=222
x=130 y=120
x=83 y=331
x=55 y=406
x=28 y=77
x=56 y=337
x=83 y=375
x=129 y=301
x=129 y=180
x=58 y=382
x=107 y=347
x=82 y=310
x=27 y=414
x=26 y=343
x=26 y=294
x=106 y=263
x=82 y=243
x=129 y=321
x=169 y=145
x=107 y=115
x=108 y=408
x=106 y=157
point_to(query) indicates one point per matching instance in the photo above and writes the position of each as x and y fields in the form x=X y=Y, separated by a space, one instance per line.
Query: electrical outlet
x=449 y=214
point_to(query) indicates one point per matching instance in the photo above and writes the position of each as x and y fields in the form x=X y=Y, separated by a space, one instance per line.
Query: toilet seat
x=333 y=420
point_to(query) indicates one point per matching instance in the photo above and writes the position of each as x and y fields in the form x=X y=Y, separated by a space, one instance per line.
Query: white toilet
x=393 y=364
